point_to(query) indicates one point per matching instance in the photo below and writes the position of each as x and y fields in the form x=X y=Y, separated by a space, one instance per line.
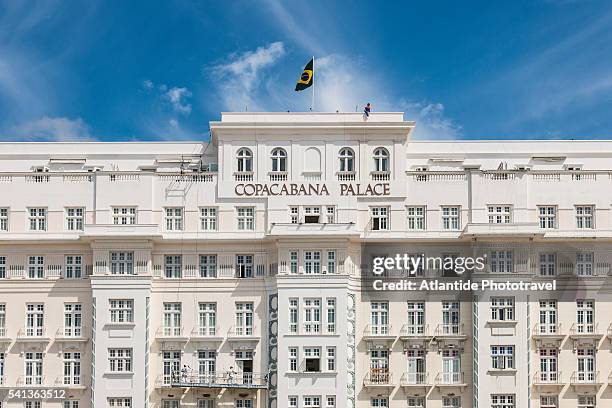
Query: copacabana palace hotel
x=237 y=273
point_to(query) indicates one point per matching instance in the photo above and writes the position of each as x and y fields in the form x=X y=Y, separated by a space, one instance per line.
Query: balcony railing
x=31 y=381
x=277 y=176
x=241 y=331
x=414 y=379
x=380 y=176
x=372 y=330
x=206 y=331
x=243 y=176
x=414 y=330
x=547 y=329
x=32 y=333
x=585 y=377
x=170 y=332
x=346 y=176
x=450 y=378
x=378 y=377
x=547 y=377
x=3 y=332
x=454 y=329
x=585 y=329
x=69 y=381
x=70 y=332
x=217 y=379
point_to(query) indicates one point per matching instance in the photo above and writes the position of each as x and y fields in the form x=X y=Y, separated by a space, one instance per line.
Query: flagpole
x=313 y=83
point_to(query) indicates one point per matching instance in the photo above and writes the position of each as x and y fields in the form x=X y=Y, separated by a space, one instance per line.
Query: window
x=121 y=311
x=72 y=368
x=548 y=264
x=450 y=218
x=73 y=320
x=548 y=317
x=244 y=319
x=174 y=219
x=585 y=216
x=74 y=267
x=172 y=319
x=586 y=364
x=379 y=366
x=502 y=309
x=33 y=404
x=330 y=214
x=173 y=266
x=293 y=359
x=416 y=318
x=381 y=159
x=312 y=215
x=549 y=365
x=244 y=403
x=416 y=218
x=450 y=317
x=312 y=262
x=331 y=262
x=207 y=319
x=293 y=401
x=120 y=360
x=244 y=266
x=2 y=322
x=122 y=263
x=331 y=315
x=547 y=216
x=502 y=401
x=501 y=262
x=293 y=315
x=207 y=366
x=74 y=218
x=206 y=403
x=312 y=316
x=124 y=215
x=244 y=160
x=379 y=218
x=584 y=264
x=36 y=267
x=331 y=359
x=312 y=359
x=171 y=404
x=312 y=402
x=451 y=402
x=208 y=218
x=37 y=218
x=2 y=267
x=346 y=158
x=330 y=401
x=549 y=401
x=4 y=219
x=33 y=368
x=279 y=160
x=416 y=402
x=208 y=266
x=379 y=318
x=586 y=401
x=171 y=366
x=294 y=215
x=293 y=262
x=120 y=402
x=500 y=214
x=68 y=404
x=585 y=316
x=35 y=323
x=502 y=357
x=379 y=402
x=246 y=218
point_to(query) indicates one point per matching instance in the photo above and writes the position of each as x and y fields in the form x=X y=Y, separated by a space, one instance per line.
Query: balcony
x=346 y=175
x=378 y=378
x=3 y=381
x=206 y=334
x=378 y=332
x=113 y=230
x=585 y=380
x=585 y=331
x=34 y=381
x=70 y=382
x=548 y=380
x=277 y=176
x=243 y=176
x=317 y=229
x=71 y=334
x=218 y=380
x=516 y=229
x=33 y=335
x=380 y=175
x=243 y=334
x=414 y=381
x=451 y=379
x=171 y=336
x=415 y=331
x=4 y=338
x=450 y=335
x=548 y=334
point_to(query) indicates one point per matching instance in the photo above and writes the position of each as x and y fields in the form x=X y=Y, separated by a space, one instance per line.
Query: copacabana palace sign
x=310 y=189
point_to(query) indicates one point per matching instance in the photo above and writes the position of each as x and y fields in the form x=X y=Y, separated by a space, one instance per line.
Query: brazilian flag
x=307 y=77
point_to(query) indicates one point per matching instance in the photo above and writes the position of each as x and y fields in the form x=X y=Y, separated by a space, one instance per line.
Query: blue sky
x=160 y=70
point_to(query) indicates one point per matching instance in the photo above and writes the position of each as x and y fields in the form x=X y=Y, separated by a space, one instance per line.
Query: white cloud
x=239 y=76
x=52 y=129
x=177 y=98
x=431 y=123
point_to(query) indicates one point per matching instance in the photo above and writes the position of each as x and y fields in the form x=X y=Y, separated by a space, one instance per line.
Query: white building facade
x=236 y=272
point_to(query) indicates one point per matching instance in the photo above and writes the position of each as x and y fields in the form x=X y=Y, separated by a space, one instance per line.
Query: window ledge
x=502 y=323
x=314 y=373
x=118 y=374
x=126 y=325
x=507 y=371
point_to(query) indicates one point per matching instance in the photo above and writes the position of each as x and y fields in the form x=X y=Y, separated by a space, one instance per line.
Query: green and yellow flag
x=307 y=77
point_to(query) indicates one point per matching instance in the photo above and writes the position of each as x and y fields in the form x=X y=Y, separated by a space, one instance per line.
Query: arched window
x=381 y=159
x=244 y=159
x=347 y=159
x=279 y=159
